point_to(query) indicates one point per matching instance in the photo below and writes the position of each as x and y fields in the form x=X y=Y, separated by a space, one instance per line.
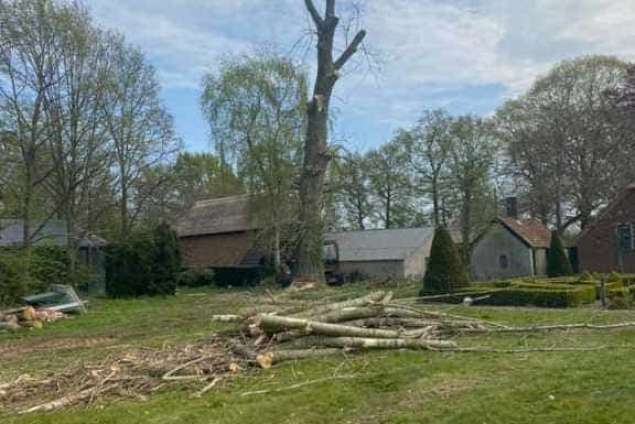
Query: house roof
x=533 y=232
x=217 y=216
x=379 y=245
x=609 y=208
x=52 y=232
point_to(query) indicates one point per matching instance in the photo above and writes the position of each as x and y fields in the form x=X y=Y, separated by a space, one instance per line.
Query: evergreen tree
x=445 y=272
x=558 y=264
x=167 y=259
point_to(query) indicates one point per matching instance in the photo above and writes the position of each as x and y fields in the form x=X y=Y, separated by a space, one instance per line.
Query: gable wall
x=485 y=260
x=216 y=250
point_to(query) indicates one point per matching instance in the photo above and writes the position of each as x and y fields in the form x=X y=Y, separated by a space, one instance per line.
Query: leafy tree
x=567 y=142
x=428 y=147
x=445 y=272
x=256 y=109
x=351 y=182
x=390 y=184
x=141 y=129
x=558 y=264
x=470 y=167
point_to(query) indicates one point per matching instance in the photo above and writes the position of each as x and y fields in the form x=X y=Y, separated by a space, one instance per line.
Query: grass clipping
x=261 y=340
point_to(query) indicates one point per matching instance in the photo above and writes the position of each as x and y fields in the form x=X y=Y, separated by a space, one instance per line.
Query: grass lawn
x=381 y=387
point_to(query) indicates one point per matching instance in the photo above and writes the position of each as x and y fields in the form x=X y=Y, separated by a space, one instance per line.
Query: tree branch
x=330 y=9
x=350 y=50
x=314 y=13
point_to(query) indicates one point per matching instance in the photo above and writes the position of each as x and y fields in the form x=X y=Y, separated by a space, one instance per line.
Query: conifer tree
x=445 y=272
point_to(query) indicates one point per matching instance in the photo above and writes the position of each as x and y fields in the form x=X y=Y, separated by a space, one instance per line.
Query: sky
x=467 y=56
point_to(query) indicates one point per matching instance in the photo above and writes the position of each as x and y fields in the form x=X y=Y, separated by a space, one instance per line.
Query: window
x=503 y=261
x=625 y=237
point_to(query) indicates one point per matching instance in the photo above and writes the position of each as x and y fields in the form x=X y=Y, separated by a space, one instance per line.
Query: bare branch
x=350 y=50
x=314 y=13
x=330 y=9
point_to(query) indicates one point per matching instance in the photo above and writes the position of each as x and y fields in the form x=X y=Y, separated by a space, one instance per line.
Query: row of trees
x=84 y=134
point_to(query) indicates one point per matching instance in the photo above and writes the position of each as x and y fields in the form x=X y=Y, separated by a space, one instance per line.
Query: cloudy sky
x=467 y=56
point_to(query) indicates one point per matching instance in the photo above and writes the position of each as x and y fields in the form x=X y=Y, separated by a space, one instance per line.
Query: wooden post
x=603 y=292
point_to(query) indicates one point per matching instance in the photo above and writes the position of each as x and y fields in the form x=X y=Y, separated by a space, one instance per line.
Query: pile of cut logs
x=29 y=317
x=370 y=322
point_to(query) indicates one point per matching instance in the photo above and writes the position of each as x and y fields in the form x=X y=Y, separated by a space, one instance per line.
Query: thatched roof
x=217 y=216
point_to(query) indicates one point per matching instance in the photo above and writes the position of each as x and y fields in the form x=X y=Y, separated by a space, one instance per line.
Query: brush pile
x=369 y=322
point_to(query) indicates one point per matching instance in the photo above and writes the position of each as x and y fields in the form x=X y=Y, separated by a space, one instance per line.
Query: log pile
x=28 y=317
x=369 y=322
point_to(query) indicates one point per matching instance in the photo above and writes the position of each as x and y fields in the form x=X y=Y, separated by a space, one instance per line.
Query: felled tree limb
x=228 y=318
x=68 y=400
x=275 y=323
x=370 y=298
x=267 y=359
x=554 y=327
x=297 y=386
x=370 y=343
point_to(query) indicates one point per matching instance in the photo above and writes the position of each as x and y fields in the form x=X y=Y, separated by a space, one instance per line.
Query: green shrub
x=558 y=263
x=237 y=277
x=541 y=296
x=586 y=277
x=145 y=264
x=16 y=279
x=445 y=272
x=196 y=278
x=620 y=297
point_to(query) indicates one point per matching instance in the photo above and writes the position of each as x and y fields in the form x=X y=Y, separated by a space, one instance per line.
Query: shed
x=608 y=244
x=511 y=247
x=383 y=254
x=219 y=233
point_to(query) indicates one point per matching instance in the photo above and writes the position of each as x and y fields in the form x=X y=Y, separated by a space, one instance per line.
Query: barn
x=382 y=254
x=219 y=234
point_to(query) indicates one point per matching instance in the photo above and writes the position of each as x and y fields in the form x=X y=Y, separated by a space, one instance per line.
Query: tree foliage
x=445 y=272
x=558 y=264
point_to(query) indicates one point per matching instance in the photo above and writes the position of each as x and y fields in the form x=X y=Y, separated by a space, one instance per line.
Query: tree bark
x=309 y=263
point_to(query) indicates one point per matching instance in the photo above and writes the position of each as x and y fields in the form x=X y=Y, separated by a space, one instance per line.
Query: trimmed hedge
x=542 y=296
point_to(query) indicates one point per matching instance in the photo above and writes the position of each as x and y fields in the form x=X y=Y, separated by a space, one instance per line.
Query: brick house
x=219 y=234
x=608 y=243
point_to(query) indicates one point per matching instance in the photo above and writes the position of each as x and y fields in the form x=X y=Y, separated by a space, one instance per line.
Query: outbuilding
x=382 y=254
x=511 y=247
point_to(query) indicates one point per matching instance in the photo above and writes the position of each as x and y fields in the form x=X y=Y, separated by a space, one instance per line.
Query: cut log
x=274 y=324
x=370 y=343
x=350 y=313
x=267 y=359
x=228 y=318
x=370 y=298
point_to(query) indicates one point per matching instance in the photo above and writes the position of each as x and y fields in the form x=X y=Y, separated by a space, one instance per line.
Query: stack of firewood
x=29 y=317
x=370 y=322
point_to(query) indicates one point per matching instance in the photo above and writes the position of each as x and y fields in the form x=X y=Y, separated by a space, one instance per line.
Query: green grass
x=388 y=387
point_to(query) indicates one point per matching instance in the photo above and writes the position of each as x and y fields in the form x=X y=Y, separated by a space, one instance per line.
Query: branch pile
x=369 y=322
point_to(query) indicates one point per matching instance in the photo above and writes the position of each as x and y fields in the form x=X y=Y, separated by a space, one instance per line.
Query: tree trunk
x=435 y=202
x=309 y=263
x=123 y=206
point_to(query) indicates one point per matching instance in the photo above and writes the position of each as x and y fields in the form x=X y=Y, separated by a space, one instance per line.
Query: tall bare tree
x=139 y=126
x=28 y=58
x=316 y=152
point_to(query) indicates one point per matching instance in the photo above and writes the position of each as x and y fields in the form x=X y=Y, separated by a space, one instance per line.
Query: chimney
x=511 y=207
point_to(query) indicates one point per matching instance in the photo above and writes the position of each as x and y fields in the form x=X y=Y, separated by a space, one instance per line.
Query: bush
x=196 y=278
x=145 y=264
x=541 y=296
x=445 y=272
x=558 y=263
x=237 y=277
x=16 y=280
